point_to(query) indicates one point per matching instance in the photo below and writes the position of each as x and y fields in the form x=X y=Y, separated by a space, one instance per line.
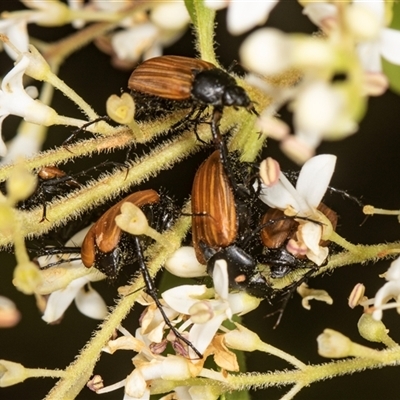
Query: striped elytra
x=104 y=236
x=214 y=217
x=168 y=77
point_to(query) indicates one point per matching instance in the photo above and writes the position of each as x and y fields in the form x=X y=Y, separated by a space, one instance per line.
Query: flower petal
x=60 y=300
x=242 y=18
x=277 y=196
x=91 y=304
x=182 y=298
x=319 y=12
x=314 y=178
x=369 y=55
x=390 y=43
x=393 y=273
x=389 y=290
x=221 y=278
x=201 y=335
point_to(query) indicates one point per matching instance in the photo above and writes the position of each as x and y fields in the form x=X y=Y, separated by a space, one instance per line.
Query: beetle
x=219 y=222
x=276 y=230
x=103 y=246
x=53 y=181
x=192 y=82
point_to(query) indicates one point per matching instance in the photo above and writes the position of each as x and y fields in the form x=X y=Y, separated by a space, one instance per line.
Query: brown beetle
x=191 y=81
x=214 y=219
x=52 y=181
x=277 y=230
x=101 y=247
x=218 y=218
x=276 y=234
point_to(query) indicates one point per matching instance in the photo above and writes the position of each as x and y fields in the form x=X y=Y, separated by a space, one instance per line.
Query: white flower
x=166 y=23
x=207 y=314
x=14 y=100
x=243 y=16
x=88 y=301
x=390 y=290
x=71 y=281
x=16 y=30
x=27 y=142
x=303 y=200
x=148 y=367
x=266 y=51
x=366 y=22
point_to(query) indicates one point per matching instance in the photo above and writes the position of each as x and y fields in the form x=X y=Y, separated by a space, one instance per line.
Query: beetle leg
x=152 y=291
x=288 y=295
x=82 y=129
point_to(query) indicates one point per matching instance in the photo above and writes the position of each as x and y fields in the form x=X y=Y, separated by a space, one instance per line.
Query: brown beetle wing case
x=279 y=230
x=214 y=218
x=105 y=234
x=169 y=77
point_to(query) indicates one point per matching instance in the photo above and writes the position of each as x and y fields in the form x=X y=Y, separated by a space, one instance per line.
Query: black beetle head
x=235 y=96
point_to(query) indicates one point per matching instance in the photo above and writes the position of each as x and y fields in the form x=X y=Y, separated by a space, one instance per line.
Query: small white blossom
x=266 y=51
x=14 y=100
x=207 y=314
x=303 y=200
x=68 y=282
x=243 y=16
x=366 y=22
x=390 y=290
x=145 y=37
x=16 y=30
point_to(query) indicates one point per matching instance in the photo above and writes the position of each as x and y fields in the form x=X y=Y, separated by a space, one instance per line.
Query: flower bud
x=373 y=330
x=333 y=344
x=11 y=373
x=266 y=51
x=27 y=277
x=270 y=171
x=21 y=184
x=9 y=314
x=184 y=263
x=121 y=109
x=242 y=339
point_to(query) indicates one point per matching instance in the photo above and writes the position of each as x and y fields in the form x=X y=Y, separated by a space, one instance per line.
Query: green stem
x=44 y=373
x=267 y=348
x=72 y=205
x=203 y=21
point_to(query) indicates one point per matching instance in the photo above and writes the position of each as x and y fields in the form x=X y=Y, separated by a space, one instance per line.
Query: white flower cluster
x=332 y=72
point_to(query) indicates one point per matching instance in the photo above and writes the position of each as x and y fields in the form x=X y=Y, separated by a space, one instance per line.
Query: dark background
x=368 y=166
